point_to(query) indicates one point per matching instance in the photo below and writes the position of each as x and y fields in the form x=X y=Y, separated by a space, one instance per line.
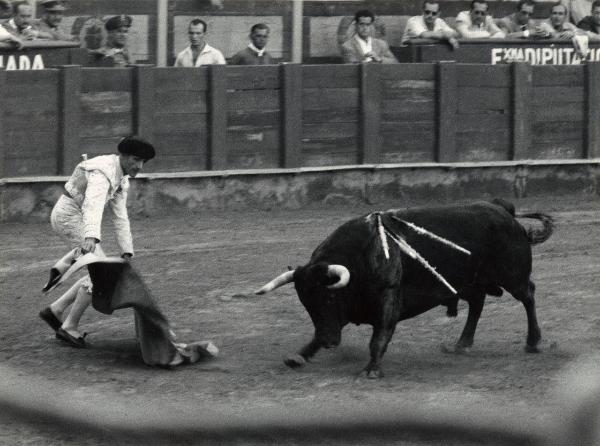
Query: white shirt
x=365 y=46
x=4 y=34
x=415 y=26
x=208 y=56
x=93 y=184
x=468 y=30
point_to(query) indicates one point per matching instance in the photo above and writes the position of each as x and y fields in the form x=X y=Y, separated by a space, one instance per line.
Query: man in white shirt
x=477 y=23
x=429 y=26
x=199 y=52
x=6 y=37
x=557 y=26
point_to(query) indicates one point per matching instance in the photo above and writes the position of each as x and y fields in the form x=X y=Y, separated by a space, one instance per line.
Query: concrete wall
x=31 y=199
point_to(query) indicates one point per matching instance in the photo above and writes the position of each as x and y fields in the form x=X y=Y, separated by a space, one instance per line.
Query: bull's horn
x=341 y=272
x=278 y=281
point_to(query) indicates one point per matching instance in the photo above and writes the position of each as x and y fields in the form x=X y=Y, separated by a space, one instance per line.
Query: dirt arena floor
x=203 y=269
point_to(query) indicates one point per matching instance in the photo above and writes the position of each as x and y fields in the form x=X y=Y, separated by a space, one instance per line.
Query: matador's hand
x=88 y=245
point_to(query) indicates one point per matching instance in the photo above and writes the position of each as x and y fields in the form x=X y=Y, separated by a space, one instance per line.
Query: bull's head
x=317 y=285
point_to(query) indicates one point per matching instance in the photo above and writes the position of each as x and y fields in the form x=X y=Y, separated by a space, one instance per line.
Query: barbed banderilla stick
x=411 y=252
x=429 y=234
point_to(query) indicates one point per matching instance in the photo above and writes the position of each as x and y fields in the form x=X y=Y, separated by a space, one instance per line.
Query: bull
x=355 y=277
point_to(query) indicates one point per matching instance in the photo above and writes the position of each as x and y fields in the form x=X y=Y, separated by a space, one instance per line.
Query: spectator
x=557 y=26
x=6 y=37
x=364 y=48
x=591 y=23
x=5 y=9
x=476 y=23
x=429 y=26
x=77 y=218
x=255 y=53
x=519 y=24
x=114 y=52
x=49 y=25
x=21 y=22
x=577 y=9
x=199 y=52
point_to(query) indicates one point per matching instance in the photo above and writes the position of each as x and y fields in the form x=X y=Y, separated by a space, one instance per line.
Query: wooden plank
x=100 y=145
x=177 y=163
x=559 y=112
x=264 y=140
x=106 y=79
x=18 y=120
x=409 y=142
x=330 y=76
x=253 y=100
x=257 y=160
x=483 y=146
x=181 y=101
x=424 y=128
x=592 y=110
x=521 y=112
x=269 y=118
x=181 y=79
x=330 y=130
x=105 y=125
x=447 y=110
x=409 y=71
x=403 y=85
x=180 y=123
x=33 y=144
x=344 y=115
x=291 y=113
x=410 y=94
x=68 y=154
x=557 y=150
x=3 y=125
x=558 y=95
x=479 y=121
x=31 y=78
x=558 y=131
x=330 y=98
x=481 y=99
x=217 y=93
x=26 y=166
x=399 y=110
x=476 y=75
x=143 y=101
x=106 y=102
x=179 y=144
x=561 y=75
x=257 y=78
x=370 y=105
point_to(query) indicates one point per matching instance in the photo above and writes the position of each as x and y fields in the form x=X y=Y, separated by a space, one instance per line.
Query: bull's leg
x=475 y=301
x=382 y=333
x=307 y=352
x=526 y=295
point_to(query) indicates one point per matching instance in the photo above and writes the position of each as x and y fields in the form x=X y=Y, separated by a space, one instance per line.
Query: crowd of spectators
x=568 y=19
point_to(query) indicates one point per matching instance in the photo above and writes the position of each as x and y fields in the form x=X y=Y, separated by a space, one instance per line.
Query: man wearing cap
x=77 y=218
x=49 y=24
x=114 y=52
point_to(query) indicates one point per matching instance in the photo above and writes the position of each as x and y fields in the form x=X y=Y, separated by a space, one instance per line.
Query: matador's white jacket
x=93 y=184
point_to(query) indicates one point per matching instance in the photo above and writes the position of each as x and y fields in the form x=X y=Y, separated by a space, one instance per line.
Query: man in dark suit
x=362 y=48
x=255 y=53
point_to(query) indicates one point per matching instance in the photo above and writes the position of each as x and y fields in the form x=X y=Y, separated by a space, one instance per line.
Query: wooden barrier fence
x=290 y=115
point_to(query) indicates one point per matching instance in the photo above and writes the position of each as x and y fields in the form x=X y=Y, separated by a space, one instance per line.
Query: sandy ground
x=203 y=269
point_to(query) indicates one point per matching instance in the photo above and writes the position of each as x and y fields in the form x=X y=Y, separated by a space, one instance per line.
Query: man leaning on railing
x=477 y=23
x=429 y=25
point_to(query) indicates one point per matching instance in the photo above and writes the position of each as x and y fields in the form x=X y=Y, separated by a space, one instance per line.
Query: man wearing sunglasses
x=519 y=24
x=477 y=23
x=429 y=25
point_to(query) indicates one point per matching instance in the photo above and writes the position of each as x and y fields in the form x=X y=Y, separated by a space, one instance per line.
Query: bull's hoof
x=532 y=349
x=371 y=374
x=455 y=349
x=294 y=361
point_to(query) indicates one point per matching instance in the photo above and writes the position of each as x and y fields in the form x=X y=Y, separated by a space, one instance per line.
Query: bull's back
x=500 y=251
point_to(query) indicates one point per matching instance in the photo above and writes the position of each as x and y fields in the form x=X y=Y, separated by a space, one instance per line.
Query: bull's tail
x=537 y=236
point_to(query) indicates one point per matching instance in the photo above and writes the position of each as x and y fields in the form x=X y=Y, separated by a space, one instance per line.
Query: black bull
x=349 y=279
